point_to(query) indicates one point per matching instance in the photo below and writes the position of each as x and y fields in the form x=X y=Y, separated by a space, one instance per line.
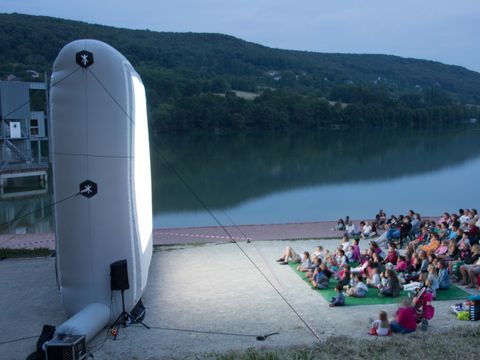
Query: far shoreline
x=204 y=234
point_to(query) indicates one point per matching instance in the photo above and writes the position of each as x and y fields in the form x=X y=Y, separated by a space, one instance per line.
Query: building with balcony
x=24 y=156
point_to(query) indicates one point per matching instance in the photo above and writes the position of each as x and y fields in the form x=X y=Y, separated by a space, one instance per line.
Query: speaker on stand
x=119 y=282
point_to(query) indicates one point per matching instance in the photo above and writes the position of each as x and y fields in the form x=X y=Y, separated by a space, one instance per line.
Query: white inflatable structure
x=102 y=183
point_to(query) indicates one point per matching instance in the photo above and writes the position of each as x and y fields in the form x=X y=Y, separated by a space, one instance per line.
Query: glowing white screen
x=142 y=176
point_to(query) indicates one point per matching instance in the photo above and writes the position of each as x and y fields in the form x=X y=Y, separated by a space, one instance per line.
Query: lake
x=297 y=177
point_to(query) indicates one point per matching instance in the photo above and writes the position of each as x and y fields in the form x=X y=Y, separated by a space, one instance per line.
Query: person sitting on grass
x=321 y=278
x=381 y=326
x=392 y=286
x=445 y=218
x=375 y=248
x=433 y=279
x=443 y=277
x=402 y=264
x=316 y=262
x=470 y=272
x=473 y=231
x=376 y=260
x=374 y=280
x=433 y=245
x=317 y=253
x=289 y=254
x=340 y=258
x=443 y=231
x=464 y=241
x=350 y=229
x=392 y=255
x=423 y=272
x=401 y=230
x=367 y=230
x=442 y=249
x=306 y=262
x=380 y=218
x=422 y=238
x=451 y=254
x=465 y=256
x=356 y=256
x=357 y=288
x=413 y=271
x=344 y=276
x=409 y=252
x=340 y=225
x=405 y=319
x=339 y=298
x=349 y=253
x=344 y=243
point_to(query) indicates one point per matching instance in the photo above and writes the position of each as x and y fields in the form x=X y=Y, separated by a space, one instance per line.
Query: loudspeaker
x=119 y=275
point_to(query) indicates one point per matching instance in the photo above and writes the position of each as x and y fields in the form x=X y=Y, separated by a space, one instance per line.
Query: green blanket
x=372 y=298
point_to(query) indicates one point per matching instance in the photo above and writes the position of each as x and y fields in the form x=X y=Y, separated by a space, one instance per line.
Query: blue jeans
x=397 y=328
x=393 y=233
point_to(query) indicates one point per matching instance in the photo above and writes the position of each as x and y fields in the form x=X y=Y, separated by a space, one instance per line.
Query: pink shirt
x=406 y=318
x=401 y=266
x=442 y=250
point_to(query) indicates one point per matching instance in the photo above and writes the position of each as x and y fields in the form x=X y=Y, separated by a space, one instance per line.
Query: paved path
x=211 y=234
x=218 y=291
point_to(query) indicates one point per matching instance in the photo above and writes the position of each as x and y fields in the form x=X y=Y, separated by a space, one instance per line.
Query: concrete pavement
x=205 y=288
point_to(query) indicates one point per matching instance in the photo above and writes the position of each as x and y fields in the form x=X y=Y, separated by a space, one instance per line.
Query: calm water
x=299 y=177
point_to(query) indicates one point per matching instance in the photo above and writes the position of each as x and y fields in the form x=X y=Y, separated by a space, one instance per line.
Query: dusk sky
x=441 y=30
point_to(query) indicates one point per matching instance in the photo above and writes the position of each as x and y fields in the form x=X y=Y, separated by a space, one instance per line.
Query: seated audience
x=405 y=320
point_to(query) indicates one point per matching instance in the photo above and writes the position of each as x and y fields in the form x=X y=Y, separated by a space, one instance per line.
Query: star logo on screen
x=84 y=58
x=88 y=188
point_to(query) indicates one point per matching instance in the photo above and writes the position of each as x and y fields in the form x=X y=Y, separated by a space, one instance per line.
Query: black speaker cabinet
x=67 y=347
x=119 y=275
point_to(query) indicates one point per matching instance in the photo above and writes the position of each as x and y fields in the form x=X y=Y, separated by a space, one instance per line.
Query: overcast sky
x=442 y=30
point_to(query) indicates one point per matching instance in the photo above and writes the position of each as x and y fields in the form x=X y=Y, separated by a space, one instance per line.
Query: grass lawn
x=372 y=298
x=461 y=344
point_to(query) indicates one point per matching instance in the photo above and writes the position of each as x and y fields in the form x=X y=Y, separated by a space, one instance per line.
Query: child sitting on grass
x=316 y=262
x=443 y=277
x=392 y=286
x=381 y=326
x=432 y=279
x=321 y=278
x=340 y=257
x=402 y=264
x=358 y=288
x=345 y=243
x=344 y=276
x=375 y=280
x=306 y=262
x=392 y=255
x=339 y=298
x=356 y=257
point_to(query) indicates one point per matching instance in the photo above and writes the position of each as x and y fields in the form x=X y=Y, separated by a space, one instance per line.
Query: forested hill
x=198 y=81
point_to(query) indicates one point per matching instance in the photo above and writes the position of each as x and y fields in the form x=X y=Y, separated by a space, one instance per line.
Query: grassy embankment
x=454 y=344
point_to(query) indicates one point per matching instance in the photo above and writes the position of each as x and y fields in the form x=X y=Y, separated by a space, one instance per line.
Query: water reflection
x=227 y=171
x=31 y=214
x=295 y=177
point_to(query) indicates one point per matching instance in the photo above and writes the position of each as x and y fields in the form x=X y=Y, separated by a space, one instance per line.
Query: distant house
x=274 y=74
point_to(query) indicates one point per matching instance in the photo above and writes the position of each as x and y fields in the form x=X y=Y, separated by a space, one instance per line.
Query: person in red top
x=472 y=231
x=392 y=255
x=405 y=321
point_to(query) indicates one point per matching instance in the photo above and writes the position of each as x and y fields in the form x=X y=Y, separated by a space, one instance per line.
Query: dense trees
x=278 y=110
x=190 y=79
